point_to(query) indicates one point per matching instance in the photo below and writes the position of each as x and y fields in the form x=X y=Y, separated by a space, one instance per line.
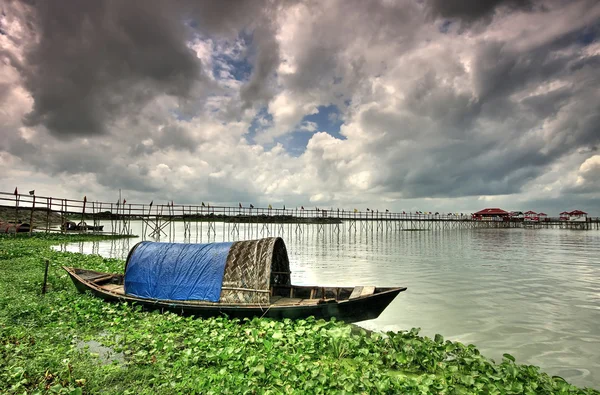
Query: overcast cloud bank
x=434 y=105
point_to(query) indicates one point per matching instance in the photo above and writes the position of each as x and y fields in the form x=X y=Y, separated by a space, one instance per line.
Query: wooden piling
x=83 y=215
x=16 y=209
x=49 y=204
x=45 y=278
x=31 y=216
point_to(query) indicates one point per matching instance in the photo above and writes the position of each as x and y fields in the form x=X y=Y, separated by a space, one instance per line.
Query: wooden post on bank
x=83 y=225
x=45 y=278
x=16 y=209
x=49 y=204
x=31 y=216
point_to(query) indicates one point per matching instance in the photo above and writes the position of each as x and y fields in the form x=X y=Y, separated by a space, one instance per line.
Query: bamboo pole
x=94 y=216
x=45 y=278
x=16 y=210
x=31 y=217
x=49 y=204
x=83 y=214
x=63 y=205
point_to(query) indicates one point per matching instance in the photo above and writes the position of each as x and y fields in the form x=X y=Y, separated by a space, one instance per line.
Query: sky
x=431 y=105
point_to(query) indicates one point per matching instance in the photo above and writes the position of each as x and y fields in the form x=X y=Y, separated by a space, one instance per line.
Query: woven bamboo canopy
x=253 y=267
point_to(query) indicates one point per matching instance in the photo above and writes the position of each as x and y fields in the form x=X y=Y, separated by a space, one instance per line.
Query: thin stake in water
x=45 y=278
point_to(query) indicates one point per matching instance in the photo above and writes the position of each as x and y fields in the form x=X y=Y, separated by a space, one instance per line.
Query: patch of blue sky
x=261 y=121
x=226 y=67
x=445 y=26
x=178 y=115
x=231 y=59
x=2 y=32
x=327 y=119
x=296 y=142
x=588 y=34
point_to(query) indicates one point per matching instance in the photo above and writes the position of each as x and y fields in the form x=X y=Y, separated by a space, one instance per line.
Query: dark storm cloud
x=170 y=136
x=229 y=17
x=547 y=104
x=58 y=159
x=566 y=202
x=321 y=62
x=468 y=168
x=115 y=177
x=176 y=137
x=426 y=114
x=5 y=88
x=226 y=17
x=500 y=70
x=267 y=59
x=471 y=10
x=16 y=145
x=98 y=60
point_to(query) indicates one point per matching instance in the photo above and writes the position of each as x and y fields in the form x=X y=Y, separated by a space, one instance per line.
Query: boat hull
x=353 y=310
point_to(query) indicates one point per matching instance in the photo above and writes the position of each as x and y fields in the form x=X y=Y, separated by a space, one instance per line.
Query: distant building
x=564 y=216
x=578 y=216
x=531 y=216
x=491 y=214
x=542 y=217
x=516 y=216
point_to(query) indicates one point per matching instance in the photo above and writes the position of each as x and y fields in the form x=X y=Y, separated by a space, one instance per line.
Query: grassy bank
x=42 y=338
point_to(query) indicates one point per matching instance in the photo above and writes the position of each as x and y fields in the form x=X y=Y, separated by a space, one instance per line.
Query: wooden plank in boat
x=287 y=301
x=370 y=290
x=114 y=288
x=356 y=292
x=102 y=278
x=362 y=291
x=91 y=276
x=309 y=302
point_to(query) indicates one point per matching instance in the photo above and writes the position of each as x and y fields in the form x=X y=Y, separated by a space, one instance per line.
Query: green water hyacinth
x=51 y=344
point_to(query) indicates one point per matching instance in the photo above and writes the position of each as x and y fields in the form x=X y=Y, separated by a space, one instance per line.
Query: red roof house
x=577 y=212
x=577 y=216
x=489 y=213
x=531 y=216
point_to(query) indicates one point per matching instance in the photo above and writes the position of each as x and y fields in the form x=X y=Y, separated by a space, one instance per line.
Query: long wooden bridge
x=157 y=219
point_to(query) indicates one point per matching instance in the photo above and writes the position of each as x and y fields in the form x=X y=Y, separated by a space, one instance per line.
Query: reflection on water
x=532 y=293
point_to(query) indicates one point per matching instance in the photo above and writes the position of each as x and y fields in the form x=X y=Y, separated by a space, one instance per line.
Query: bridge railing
x=106 y=210
x=88 y=207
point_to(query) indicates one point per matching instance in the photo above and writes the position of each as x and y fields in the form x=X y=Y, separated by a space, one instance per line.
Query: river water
x=533 y=293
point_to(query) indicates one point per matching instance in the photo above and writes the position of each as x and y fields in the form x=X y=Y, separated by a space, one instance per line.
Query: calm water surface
x=533 y=293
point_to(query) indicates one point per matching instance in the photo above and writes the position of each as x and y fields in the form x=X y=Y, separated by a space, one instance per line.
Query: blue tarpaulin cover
x=176 y=271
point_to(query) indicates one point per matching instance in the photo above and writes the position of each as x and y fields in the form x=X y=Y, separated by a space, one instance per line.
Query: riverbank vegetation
x=69 y=343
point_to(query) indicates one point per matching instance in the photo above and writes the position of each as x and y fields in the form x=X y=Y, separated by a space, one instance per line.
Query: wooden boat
x=346 y=304
x=278 y=300
x=69 y=225
x=12 y=227
x=91 y=228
